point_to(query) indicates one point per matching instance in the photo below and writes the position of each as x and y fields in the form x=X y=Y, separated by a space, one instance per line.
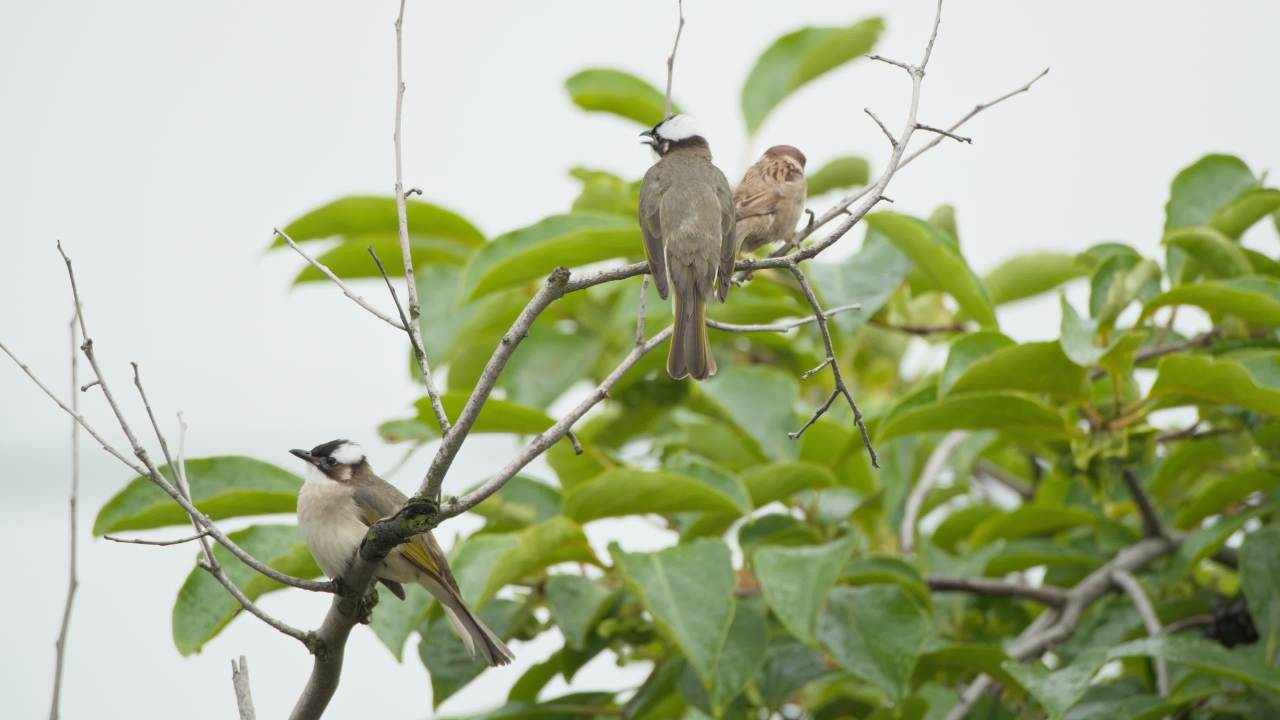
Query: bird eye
x=330 y=462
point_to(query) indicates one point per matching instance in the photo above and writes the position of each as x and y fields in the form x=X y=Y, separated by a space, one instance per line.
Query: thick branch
x=1127 y=582
x=1048 y=595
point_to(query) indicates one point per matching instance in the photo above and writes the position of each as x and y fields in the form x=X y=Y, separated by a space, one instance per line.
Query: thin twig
x=240 y=681
x=395 y=298
x=1045 y=594
x=406 y=253
x=1127 y=582
x=1187 y=623
x=893 y=141
x=73 y=582
x=671 y=61
x=346 y=290
x=837 y=376
x=944 y=133
x=157 y=543
x=781 y=326
x=573 y=440
x=1151 y=523
x=921 y=330
x=994 y=472
x=810 y=373
x=928 y=477
x=1203 y=339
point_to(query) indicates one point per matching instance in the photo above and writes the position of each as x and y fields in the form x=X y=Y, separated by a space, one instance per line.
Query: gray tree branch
x=73 y=581
x=240 y=681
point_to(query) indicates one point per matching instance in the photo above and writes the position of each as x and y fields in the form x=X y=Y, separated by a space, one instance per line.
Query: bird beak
x=304 y=455
x=648 y=138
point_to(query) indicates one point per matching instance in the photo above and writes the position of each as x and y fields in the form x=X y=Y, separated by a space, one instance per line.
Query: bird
x=340 y=498
x=770 y=199
x=686 y=219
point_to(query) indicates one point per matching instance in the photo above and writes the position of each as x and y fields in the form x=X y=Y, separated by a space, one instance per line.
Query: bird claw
x=364 y=611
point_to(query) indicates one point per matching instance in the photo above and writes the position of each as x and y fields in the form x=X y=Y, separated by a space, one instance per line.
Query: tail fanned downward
x=690 y=353
x=475 y=635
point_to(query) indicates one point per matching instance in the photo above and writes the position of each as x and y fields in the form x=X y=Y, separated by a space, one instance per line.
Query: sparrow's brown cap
x=790 y=151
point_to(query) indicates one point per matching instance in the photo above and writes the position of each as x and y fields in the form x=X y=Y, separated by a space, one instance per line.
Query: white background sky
x=161 y=141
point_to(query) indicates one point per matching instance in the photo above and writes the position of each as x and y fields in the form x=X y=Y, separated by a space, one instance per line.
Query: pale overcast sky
x=161 y=141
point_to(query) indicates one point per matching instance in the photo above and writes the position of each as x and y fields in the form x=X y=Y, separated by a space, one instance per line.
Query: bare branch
x=157 y=543
x=406 y=254
x=810 y=373
x=944 y=133
x=346 y=290
x=928 y=477
x=671 y=61
x=836 y=375
x=893 y=141
x=989 y=470
x=781 y=326
x=921 y=330
x=240 y=681
x=1048 y=595
x=73 y=582
x=895 y=63
x=640 y=312
x=1151 y=524
x=1127 y=582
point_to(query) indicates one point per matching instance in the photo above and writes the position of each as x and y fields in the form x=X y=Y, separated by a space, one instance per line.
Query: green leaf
x=497 y=416
x=358 y=219
x=394 y=620
x=535 y=549
x=619 y=93
x=741 y=656
x=795 y=581
x=221 y=487
x=870 y=278
x=204 y=607
x=888 y=571
x=964 y=658
x=1123 y=286
x=761 y=401
x=1199 y=379
x=531 y=252
x=577 y=604
x=688 y=589
x=838 y=173
x=1201 y=189
x=875 y=632
x=966 y=350
x=1220 y=493
x=1025 y=276
x=1015 y=414
x=1254 y=298
x=799 y=57
x=1246 y=209
x=1260 y=581
x=605 y=192
x=1057 y=691
x=1030 y=520
x=546 y=364
x=1206 y=656
x=1040 y=368
x=932 y=252
x=788 y=666
x=446 y=658
x=1203 y=542
x=622 y=492
x=771 y=483
x=1212 y=249
x=1079 y=338
x=520 y=503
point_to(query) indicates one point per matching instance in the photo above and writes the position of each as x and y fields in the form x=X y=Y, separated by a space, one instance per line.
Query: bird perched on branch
x=338 y=502
x=770 y=199
x=686 y=217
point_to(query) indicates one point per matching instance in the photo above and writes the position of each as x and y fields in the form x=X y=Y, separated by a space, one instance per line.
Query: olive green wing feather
x=651 y=189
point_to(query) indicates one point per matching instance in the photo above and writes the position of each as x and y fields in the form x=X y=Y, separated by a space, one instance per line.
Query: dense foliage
x=788 y=591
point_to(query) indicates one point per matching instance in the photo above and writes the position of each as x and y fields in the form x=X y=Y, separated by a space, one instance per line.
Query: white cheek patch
x=348 y=453
x=680 y=127
x=793 y=163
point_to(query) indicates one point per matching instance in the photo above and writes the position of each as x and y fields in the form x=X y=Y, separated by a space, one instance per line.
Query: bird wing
x=755 y=195
x=381 y=499
x=651 y=189
x=728 y=242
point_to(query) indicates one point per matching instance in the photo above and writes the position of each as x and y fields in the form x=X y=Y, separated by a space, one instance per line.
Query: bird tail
x=690 y=353
x=475 y=635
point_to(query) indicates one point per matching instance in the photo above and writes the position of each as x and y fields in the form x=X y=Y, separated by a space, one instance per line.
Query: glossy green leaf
x=741 y=656
x=837 y=174
x=788 y=666
x=546 y=364
x=869 y=278
x=875 y=632
x=618 y=93
x=1201 y=189
x=1140 y=281
x=934 y=255
x=761 y=401
x=1079 y=337
x=577 y=604
x=771 y=483
x=358 y=218
x=965 y=351
x=1058 y=690
x=795 y=581
x=1244 y=210
x=1260 y=582
x=963 y=658
x=1040 y=368
x=1199 y=379
x=1025 y=276
x=1030 y=520
x=535 y=549
x=521 y=502
x=497 y=416
x=1255 y=298
x=532 y=252
x=222 y=487
x=622 y=492
x=204 y=607
x=1211 y=249
x=1206 y=656
x=446 y=658
x=395 y=619
x=882 y=570
x=688 y=589
x=1218 y=494
x=1205 y=541
x=980 y=411
x=605 y=192
x=799 y=57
